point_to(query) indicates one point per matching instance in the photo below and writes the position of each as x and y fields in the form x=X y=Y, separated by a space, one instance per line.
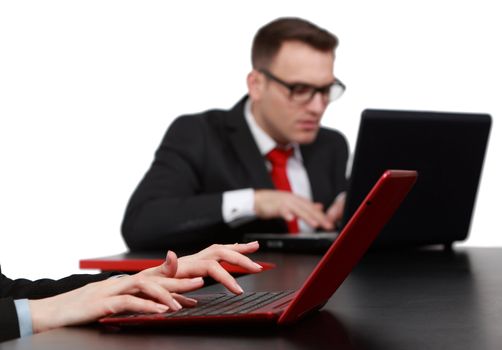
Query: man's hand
x=271 y=204
x=335 y=212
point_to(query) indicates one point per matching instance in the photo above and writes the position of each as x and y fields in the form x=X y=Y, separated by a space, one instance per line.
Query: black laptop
x=447 y=150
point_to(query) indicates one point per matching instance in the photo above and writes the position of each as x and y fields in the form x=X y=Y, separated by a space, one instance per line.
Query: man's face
x=282 y=118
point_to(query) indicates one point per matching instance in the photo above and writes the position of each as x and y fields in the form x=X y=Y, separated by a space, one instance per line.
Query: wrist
x=257 y=197
x=44 y=314
x=38 y=315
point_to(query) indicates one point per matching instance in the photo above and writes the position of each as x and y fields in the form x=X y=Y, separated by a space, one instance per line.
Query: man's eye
x=301 y=89
x=326 y=90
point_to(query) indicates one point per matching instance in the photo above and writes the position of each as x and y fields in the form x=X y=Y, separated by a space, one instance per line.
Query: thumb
x=335 y=212
x=170 y=265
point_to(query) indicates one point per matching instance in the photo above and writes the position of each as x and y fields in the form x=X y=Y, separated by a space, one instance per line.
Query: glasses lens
x=301 y=93
x=336 y=91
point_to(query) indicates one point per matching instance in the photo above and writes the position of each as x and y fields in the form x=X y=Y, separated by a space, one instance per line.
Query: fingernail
x=196 y=280
x=162 y=308
x=168 y=259
x=178 y=305
x=193 y=301
x=239 y=289
x=254 y=242
x=258 y=266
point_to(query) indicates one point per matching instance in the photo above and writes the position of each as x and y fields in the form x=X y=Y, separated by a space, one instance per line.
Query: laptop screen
x=447 y=150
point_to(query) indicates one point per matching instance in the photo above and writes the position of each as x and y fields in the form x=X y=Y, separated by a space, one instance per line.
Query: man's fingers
x=335 y=212
x=305 y=210
x=319 y=206
x=286 y=205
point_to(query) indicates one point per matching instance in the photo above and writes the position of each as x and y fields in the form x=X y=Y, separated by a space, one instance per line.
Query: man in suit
x=216 y=175
x=28 y=307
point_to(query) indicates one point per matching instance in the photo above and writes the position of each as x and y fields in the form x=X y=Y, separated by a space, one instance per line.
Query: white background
x=88 y=88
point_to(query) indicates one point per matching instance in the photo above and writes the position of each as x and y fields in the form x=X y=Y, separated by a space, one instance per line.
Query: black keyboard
x=229 y=304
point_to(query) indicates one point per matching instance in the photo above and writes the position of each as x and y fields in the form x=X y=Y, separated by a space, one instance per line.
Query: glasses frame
x=326 y=91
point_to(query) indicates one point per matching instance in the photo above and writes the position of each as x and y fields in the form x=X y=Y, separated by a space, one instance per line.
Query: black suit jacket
x=25 y=289
x=178 y=203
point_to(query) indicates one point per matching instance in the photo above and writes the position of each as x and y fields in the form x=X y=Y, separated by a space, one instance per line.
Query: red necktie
x=279 y=158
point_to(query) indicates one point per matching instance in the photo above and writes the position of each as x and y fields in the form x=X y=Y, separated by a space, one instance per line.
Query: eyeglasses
x=303 y=93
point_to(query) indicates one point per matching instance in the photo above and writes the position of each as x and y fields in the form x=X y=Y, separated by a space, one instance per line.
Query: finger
x=180 y=285
x=298 y=209
x=219 y=274
x=244 y=248
x=170 y=265
x=326 y=221
x=150 y=287
x=319 y=206
x=226 y=253
x=213 y=252
x=288 y=214
x=232 y=253
x=311 y=213
x=184 y=300
x=131 y=303
x=333 y=214
x=196 y=265
x=229 y=253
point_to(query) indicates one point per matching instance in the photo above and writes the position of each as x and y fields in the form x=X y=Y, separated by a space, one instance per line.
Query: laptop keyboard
x=228 y=304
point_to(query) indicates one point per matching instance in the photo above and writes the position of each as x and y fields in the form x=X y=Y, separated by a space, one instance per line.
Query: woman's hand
x=206 y=263
x=154 y=290
x=146 y=293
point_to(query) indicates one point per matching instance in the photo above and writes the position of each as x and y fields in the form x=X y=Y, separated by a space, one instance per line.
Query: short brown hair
x=269 y=38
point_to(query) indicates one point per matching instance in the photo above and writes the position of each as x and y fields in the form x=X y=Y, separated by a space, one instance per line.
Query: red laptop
x=283 y=307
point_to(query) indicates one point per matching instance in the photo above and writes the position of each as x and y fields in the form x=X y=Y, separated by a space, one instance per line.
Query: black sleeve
x=171 y=207
x=9 y=326
x=43 y=288
x=25 y=289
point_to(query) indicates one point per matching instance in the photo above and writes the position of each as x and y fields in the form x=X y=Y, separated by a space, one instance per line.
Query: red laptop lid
x=355 y=239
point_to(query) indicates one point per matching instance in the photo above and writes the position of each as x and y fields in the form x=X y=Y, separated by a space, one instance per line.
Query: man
x=80 y=299
x=264 y=166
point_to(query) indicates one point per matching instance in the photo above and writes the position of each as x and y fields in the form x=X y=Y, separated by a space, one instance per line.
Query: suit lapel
x=245 y=146
x=315 y=171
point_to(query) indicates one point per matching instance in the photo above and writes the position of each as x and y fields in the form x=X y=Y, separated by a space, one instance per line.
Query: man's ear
x=255 y=84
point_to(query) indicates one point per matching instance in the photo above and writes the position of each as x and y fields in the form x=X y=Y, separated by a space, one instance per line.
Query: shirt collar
x=264 y=142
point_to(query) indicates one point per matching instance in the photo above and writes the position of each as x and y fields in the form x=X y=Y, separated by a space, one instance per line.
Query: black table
x=427 y=299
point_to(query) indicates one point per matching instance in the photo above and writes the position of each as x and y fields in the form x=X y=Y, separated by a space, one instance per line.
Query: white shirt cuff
x=24 y=317
x=238 y=206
